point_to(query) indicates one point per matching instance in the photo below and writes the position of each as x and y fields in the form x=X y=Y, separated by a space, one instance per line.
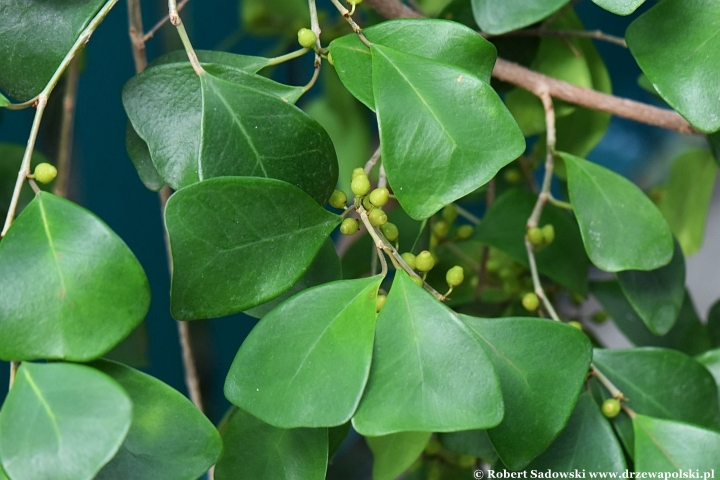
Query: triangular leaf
x=619 y=7
x=4 y=102
x=502 y=16
x=394 y=453
x=667 y=446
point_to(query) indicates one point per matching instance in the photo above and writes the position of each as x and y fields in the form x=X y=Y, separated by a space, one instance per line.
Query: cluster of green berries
x=442 y=227
x=541 y=237
x=44 y=173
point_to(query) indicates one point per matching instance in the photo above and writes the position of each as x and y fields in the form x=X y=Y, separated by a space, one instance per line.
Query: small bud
x=531 y=302
x=548 y=232
x=360 y=185
x=358 y=172
x=349 y=226
x=45 y=173
x=536 y=237
x=450 y=213
x=465 y=231
x=424 y=262
x=409 y=259
x=455 y=276
x=390 y=231
x=511 y=175
x=576 y=324
x=611 y=408
x=418 y=281
x=379 y=197
x=379 y=302
x=306 y=38
x=441 y=228
x=377 y=217
x=338 y=199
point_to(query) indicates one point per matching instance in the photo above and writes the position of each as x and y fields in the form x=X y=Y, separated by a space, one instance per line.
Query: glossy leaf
x=61 y=421
x=230 y=254
x=587 y=443
x=502 y=16
x=619 y=7
x=169 y=437
x=429 y=371
x=564 y=260
x=440 y=40
x=686 y=199
x=677 y=46
x=34 y=39
x=307 y=361
x=140 y=156
x=662 y=383
x=469 y=442
x=711 y=360
x=541 y=366
x=73 y=289
x=620 y=226
x=663 y=445
x=254 y=449
x=394 y=453
x=657 y=295
x=10 y=159
x=336 y=437
x=443 y=131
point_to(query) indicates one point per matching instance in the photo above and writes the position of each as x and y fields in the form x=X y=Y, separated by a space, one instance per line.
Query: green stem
x=287 y=57
x=467 y=215
x=188 y=46
x=560 y=203
x=347 y=16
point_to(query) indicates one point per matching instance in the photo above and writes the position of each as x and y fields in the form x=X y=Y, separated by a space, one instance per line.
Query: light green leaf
x=657 y=295
x=72 y=288
x=667 y=446
x=621 y=228
x=711 y=360
x=4 y=102
x=61 y=421
x=443 y=132
x=11 y=156
x=140 y=156
x=676 y=37
x=34 y=39
x=540 y=385
x=619 y=7
x=587 y=443
x=320 y=342
x=475 y=443
x=394 y=453
x=169 y=438
x=686 y=200
x=440 y=40
x=256 y=450
x=429 y=371
x=502 y=16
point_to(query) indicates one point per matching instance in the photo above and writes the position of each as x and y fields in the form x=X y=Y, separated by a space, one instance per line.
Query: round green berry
x=455 y=276
x=354 y=2
x=338 y=199
x=466 y=461
x=357 y=172
x=306 y=38
x=576 y=324
x=465 y=231
x=409 y=259
x=536 y=237
x=511 y=175
x=450 y=213
x=360 y=185
x=531 y=302
x=424 y=262
x=600 y=316
x=418 y=281
x=441 y=228
x=390 y=231
x=380 y=196
x=611 y=408
x=45 y=173
x=548 y=232
x=379 y=302
x=377 y=217
x=349 y=226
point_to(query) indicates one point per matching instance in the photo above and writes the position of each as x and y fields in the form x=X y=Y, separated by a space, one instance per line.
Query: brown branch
x=64 y=157
x=159 y=24
x=544 y=32
x=537 y=83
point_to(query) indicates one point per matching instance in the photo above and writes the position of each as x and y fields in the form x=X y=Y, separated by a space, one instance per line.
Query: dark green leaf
x=502 y=16
x=470 y=442
x=439 y=40
x=564 y=260
x=336 y=437
x=133 y=350
x=34 y=39
x=687 y=335
x=662 y=383
x=587 y=443
x=714 y=140
x=11 y=156
x=657 y=295
x=621 y=228
x=140 y=156
x=670 y=40
x=394 y=453
x=686 y=199
x=434 y=154
x=429 y=371
x=73 y=289
x=230 y=254
x=247 y=63
x=62 y=421
x=619 y=7
x=713 y=324
x=667 y=446
x=256 y=450
x=169 y=438
x=711 y=360
x=541 y=365
x=320 y=342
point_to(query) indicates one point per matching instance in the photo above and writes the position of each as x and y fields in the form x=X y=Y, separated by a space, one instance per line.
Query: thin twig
x=546 y=32
x=159 y=24
x=373 y=160
x=614 y=391
x=175 y=19
x=383 y=262
x=287 y=57
x=347 y=16
x=315 y=27
x=467 y=215
x=13 y=372
x=313 y=79
x=382 y=177
x=67 y=125
x=539 y=290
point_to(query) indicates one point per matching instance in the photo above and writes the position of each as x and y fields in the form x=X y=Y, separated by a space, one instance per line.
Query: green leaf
x=11 y=156
x=621 y=228
x=336 y=437
x=433 y=154
x=169 y=438
x=324 y=269
x=320 y=342
x=504 y=227
x=619 y=7
x=676 y=37
x=587 y=443
x=429 y=371
x=657 y=295
x=140 y=156
x=711 y=360
x=662 y=383
x=274 y=17
x=687 y=335
x=686 y=200
x=230 y=254
x=133 y=350
x=394 y=453
x=254 y=449
x=73 y=289
x=4 y=102
x=540 y=386
x=662 y=445
x=469 y=442
x=502 y=16
x=61 y=421
x=714 y=141
x=246 y=63
x=440 y=40
x=34 y=39
x=228 y=122
x=713 y=324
